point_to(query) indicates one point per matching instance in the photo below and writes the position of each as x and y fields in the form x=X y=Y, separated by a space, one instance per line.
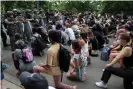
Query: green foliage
x=79 y=6
x=115 y=7
x=112 y=7
x=21 y=5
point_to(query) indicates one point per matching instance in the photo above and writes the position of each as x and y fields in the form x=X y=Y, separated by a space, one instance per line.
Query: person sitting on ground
x=25 y=57
x=77 y=72
x=127 y=72
x=52 y=64
x=33 y=81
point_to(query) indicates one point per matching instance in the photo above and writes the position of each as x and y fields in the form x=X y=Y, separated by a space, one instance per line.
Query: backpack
x=64 y=59
x=27 y=55
x=105 y=53
x=83 y=59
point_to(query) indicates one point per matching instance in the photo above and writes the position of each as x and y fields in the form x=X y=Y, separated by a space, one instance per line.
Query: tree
x=79 y=6
x=115 y=7
x=10 y=5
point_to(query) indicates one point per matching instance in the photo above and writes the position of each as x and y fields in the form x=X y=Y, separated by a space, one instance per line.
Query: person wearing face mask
x=126 y=72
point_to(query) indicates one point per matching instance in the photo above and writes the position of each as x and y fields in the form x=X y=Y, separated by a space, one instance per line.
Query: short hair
x=125 y=36
x=55 y=35
x=17 y=36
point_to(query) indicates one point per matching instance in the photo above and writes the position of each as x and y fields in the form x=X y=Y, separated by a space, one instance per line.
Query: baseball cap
x=33 y=81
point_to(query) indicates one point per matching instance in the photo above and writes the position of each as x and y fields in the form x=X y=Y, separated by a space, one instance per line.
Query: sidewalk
x=10 y=85
x=11 y=82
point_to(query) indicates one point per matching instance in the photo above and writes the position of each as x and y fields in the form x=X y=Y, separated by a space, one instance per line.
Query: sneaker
x=101 y=84
x=41 y=53
x=5 y=66
x=75 y=87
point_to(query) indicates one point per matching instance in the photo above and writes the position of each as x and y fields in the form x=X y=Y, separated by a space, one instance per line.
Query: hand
x=108 y=65
x=72 y=52
x=41 y=64
x=16 y=22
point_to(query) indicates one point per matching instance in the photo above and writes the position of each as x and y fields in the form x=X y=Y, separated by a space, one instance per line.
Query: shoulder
x=17 y=51
x=127 y=50
x=50 y=51
x=81 y=42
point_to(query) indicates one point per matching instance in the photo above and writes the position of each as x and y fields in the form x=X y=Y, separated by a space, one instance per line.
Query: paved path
x=94 y=73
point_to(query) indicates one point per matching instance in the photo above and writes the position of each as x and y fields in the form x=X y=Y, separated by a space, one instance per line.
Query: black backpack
x=64 y=59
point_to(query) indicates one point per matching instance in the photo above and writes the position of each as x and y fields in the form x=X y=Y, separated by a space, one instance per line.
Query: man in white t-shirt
x=70 y=33
x=75 y=26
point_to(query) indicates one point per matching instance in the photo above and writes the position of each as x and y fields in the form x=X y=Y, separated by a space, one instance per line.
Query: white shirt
x=84 y=49
x=53 y=27
x=75 y=27
x=70 y=33
x=75 y=56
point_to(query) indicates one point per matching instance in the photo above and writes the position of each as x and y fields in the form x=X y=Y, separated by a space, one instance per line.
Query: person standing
x=11 y=22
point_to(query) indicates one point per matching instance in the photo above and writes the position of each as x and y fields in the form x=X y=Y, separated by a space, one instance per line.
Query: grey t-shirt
x=23 y=67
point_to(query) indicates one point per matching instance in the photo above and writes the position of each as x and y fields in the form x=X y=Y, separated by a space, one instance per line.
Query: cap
x=9 y=12
x=33 y=81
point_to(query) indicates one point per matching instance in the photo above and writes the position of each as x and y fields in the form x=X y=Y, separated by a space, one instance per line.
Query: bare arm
x=76 y=63
x=124 y=53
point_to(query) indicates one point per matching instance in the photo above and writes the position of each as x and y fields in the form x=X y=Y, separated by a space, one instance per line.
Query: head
x=124 y=39
x=67 y=25
x=20 y=44
x=76 y=47
x=58 y=27
x=33 y=81
x=10 y=14
x=19 y=13
x=84 y=35
x=54 y=36
x=17 y=36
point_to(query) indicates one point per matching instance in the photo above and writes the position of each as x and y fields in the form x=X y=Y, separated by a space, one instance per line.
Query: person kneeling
x=24 y=56
x=127 y=72
x=78 y=71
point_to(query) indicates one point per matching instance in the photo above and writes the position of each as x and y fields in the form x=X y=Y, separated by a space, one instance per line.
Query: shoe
x=101 y=84
x=18 y=74
x=75 y=87
x=5 y=66
x=41 y=53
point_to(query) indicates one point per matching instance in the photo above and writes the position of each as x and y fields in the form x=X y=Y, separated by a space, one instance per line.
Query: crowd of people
x=30 y=32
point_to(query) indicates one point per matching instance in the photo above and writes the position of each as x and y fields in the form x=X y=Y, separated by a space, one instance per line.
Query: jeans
x=126 y=74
